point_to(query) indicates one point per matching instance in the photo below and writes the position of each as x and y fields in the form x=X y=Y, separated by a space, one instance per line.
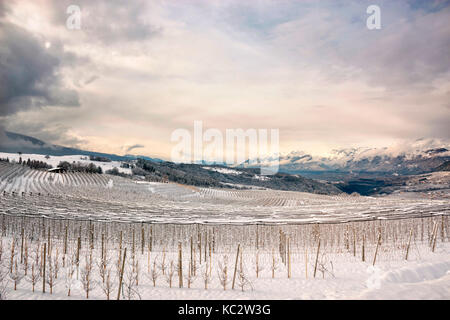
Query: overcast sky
x=138 y=70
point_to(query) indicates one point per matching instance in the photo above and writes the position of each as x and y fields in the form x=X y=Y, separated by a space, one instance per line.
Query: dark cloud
x=29 y=73
x=136 y=146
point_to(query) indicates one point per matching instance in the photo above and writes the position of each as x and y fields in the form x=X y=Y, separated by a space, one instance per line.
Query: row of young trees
x=99 y=158
x=33 y=164
x=65 y=165
x=80 y=167
x=117 y=258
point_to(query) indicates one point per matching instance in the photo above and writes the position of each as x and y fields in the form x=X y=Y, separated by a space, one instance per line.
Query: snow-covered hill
x=55 y=160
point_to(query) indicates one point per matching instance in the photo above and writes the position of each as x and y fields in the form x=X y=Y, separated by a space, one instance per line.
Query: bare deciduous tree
x=50 y=274
x=322 y=266
x=103 y=266
x=223 y=272
x=206 y=276
x=108 y=284
x=16 y=274
x=56 y=263
x=243 y=281
x=130 y=289
x=25 y=257
x=170 y=273
x=154 y=274
x=86 y=272
x=34 y=277
x=258 y=266
x=163 y=264
x=190 y=277
x=275 y=263
x=70 y=270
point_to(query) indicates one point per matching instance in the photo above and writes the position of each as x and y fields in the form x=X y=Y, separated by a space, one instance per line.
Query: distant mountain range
x=363 y=170
x=421 y=156
x=14 y=142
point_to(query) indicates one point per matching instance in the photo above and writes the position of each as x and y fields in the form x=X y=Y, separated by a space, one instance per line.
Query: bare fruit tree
x=258 y=266
x=274 y=265
x=325 y=266
x=206 y=275
x=130 y=289
x=108 y=284
x=34 y=276
x=243 y=281
x=103 y=266
x=16 y=274
x=223 y=272
x=70 y=270
x=86 y=272
x=154 y=273
x=51 y=273
x=190 y=277
x=170 y=273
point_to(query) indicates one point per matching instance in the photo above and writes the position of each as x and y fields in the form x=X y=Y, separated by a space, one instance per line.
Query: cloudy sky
x=138 y=70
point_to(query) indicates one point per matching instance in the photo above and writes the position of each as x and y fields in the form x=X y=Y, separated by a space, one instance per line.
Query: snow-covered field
x=276 y=230
x=105 y=197
x=55 y=160
x=341 y=272
x=428 y=279
x=223 y=170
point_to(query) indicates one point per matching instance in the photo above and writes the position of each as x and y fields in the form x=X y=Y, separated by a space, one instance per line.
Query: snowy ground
x=424 y=278
x=55 y=160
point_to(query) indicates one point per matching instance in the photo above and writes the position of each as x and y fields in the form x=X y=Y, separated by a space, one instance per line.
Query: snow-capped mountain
x=419 y=156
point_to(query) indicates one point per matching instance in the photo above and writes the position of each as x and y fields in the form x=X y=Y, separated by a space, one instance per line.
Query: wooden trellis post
x=142 y=239
x=376 y=250
x=363 y=248
x=43 y=269
x=235 y=266
x=289 y=256
x=317 y=258
x=409 y=243
x=66 y=235
x=180 y=265
x=121 y=273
